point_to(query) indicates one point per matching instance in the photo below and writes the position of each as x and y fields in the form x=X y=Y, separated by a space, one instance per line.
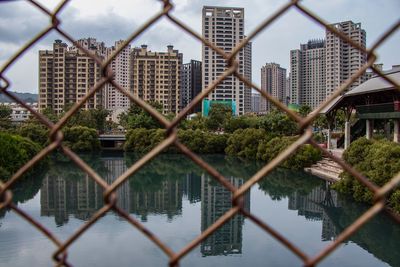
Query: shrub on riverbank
x=305 y=156
x=143 y=140
x=34 y=131
x=15 y=151
x=81 y=138
x=379 y=161
x=258 y=144
x=244 y=143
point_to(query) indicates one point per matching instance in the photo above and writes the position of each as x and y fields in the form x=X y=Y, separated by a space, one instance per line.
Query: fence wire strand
x=110 y=200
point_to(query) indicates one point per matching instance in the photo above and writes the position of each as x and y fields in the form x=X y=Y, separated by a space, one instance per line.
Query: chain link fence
x=56 y=137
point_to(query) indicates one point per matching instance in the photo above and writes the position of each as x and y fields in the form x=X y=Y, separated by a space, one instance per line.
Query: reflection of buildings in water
x=115 y=168
x=167 y=200
x=215 y=201
x=82 y=197
x=311 y=206
x=323 y=204
x=192 y=187
x=61 y=197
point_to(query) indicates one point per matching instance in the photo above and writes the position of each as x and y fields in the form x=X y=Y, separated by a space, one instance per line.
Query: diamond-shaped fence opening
x=171 y=138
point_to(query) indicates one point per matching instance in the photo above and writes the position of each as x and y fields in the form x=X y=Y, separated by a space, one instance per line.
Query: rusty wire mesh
x=56 y=137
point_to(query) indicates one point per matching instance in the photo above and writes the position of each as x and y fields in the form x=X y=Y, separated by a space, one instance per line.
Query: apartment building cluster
x=66 y=75
x=319 y=67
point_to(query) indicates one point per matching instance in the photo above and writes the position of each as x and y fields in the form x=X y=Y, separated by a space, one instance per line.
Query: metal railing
x=56 y=137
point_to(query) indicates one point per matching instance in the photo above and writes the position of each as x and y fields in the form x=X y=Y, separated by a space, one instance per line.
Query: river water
x=177 y=201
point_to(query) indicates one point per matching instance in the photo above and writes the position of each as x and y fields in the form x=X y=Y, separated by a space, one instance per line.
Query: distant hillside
x=27 y=97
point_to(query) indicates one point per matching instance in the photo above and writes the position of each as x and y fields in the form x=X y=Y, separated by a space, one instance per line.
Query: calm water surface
x=177 y=201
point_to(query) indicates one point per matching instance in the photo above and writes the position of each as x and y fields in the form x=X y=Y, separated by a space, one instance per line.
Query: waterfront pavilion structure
x=375 y=100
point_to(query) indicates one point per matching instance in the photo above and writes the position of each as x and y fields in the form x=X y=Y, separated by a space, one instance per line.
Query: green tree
x=379 y=161
x=15 y=151
x=81 y=138
x=50 y=114
x=218 y=115
x=320 y=122
x=99 y=118
x=34 y=131
x=137 y=117
x=245 y=142
x=277 y=123
x=305 y=156
x=340 y=119
x=197 y=122
x=304 y=110
x=5 y=117
x=240 y=122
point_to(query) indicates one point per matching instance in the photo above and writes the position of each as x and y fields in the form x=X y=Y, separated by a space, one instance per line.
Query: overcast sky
x=109 y=21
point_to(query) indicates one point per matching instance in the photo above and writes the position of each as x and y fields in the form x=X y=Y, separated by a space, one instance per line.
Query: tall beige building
x=224 y=27
x=342 y=59
x=156 y=76
x=308 y=74
x=67 y=74
x=114 y=99
x=273 y=82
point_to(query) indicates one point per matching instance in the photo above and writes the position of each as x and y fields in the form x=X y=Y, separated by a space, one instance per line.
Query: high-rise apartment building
x=308 y=73
x=255 y=102
x=342 y=59
x=247 y=73
x=113 y=98
x=216 y=201
x=156 y=76
x=273 y=82
x=67 y=74
x=288 y=93
x=191 y=83
x=224 y=26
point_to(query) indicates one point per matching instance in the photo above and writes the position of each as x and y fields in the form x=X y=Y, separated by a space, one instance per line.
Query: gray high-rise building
x=307 y=74
x=255 y=102
x=247 y=74
x=191 y=83
x=342 y=59
x=288 y=93
x=224 y=26
x=273 y=82
x=319 y=67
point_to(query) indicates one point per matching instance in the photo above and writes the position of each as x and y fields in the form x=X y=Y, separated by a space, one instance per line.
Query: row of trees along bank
x=254 y=137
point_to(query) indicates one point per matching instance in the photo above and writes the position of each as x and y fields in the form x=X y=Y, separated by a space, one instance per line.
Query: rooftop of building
x=374 y=85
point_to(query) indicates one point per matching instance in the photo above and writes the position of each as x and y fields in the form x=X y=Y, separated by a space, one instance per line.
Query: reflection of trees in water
x=160 y=186
x=25 y=188
x=380 y=236
x=282 y=183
